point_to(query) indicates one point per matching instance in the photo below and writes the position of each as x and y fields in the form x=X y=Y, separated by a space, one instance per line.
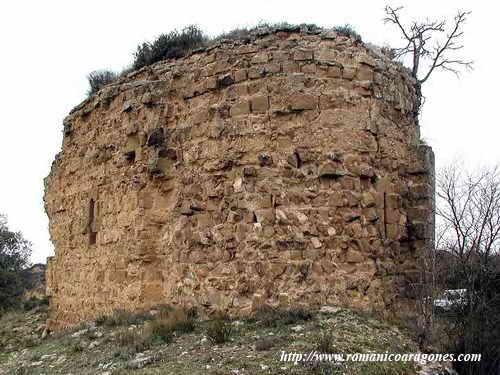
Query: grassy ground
x=176 y=342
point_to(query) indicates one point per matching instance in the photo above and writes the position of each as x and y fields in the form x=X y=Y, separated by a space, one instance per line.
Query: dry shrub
x=219 y=331
x=121 y=317
x=179 y=320
x=167 y=322
x=174 y=44
x=268 y=316
x=159 y=330
x=134 y=340
x=77 y=347
x=325 y=342
x=98 y=79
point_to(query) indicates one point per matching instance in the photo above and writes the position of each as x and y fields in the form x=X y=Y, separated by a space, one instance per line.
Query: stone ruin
x=282 y=170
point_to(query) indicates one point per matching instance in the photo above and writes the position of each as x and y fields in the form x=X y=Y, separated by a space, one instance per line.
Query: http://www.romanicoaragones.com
x=377 y=357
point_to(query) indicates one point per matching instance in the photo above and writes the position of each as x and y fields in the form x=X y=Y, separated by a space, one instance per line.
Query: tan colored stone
x=241 y=108
x=349 y=72
x=393 y=231
x=211 y=83
x=368 y=200
x=316 y=243
x=334 y=72
x=265 y=216
x=254 y=178
x=327 y=55
x=336 y=199
x=238 y=185
x=393 y=216
x=260 y=58
x=240 y=75
x=260 y=104
x=301 y=217
x=308 y=68
x=353 y=256
x=364 y=74
x=301 y=55
x=290 y=67
x=303 y=101
x=393 y=201
x=366 y=60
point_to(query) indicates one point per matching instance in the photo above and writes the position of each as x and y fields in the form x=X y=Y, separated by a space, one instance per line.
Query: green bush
x=14 y=260
x=41 y=304
x=175 y=44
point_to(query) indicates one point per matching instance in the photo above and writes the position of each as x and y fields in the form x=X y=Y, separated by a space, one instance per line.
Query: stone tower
x=283 y=170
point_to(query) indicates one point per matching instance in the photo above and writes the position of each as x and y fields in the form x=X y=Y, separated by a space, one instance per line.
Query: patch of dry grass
x=219 y=331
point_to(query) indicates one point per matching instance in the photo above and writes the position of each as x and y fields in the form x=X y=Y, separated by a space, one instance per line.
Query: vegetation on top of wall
x=177 y=44
x=347 y=30
x=263 y=28
x=98 y=79
x=173 y=45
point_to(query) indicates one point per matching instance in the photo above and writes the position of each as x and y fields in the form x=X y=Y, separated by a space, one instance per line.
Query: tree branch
x=419 y=34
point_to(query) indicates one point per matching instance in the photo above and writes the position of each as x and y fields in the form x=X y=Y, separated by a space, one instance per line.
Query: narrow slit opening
x=92 y=232
x=385 y=215
x=92 y=238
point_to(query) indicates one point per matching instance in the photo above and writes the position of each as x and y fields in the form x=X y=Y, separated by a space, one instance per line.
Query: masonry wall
x=284 y=170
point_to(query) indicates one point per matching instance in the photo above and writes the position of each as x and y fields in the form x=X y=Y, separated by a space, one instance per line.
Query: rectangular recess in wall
x=92 y=238
x=92 y=231
x=385 y=214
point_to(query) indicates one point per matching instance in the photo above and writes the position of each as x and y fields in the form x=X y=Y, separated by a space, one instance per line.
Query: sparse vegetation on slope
x=188 y=345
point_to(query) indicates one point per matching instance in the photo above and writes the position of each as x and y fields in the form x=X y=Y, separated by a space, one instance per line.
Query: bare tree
x=422 y=42
x=468 y=251
x=468 y=209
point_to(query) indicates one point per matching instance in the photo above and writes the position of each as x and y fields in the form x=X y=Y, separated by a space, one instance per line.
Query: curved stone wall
x=283 y=170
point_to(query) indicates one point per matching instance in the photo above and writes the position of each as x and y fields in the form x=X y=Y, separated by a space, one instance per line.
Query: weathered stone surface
x=240 y=176
x=349 y=72
x=300 y=101
x=260 y=104
x=241 y=108
x=334 y=72
x=303 y=54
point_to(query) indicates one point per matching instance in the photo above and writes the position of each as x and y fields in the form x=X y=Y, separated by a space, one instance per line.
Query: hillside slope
x=167 y=341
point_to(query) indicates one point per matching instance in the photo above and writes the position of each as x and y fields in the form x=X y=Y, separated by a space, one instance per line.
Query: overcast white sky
x=48 y=47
